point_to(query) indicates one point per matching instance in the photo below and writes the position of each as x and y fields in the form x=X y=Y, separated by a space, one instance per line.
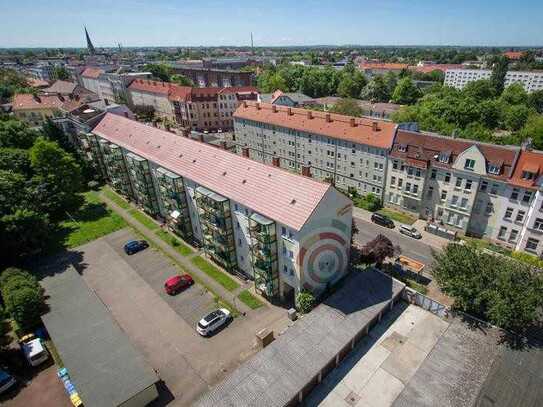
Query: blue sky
x=59 y=23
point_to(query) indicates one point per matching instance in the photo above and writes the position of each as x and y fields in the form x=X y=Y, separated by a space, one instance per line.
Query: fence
x=416 y=298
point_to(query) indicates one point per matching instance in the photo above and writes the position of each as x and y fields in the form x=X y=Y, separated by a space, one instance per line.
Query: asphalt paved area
x=162 y=327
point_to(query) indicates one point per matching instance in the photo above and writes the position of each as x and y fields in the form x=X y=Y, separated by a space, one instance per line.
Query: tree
x=54 y=133
x=379 y=249
x=60 y=73
x=22 y=233
x=535 y=100
x=144 y=113
x=369 y=202
x=160 y=71
x=480 y=90
x=406 y=92
x=505 y=292
x=12 y=191
x=16 y=160
x=305 y=301
x=514 y=95
x=16 y=134
x=351 y=84
x=347 y=107
x=57 y=178
x=515 y=117
x=376 y=90
x=181 y=80
x=499 y=71
x=533 y=129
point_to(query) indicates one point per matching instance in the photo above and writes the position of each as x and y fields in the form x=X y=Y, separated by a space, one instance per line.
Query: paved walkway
x=427 y=238
x=185 y=261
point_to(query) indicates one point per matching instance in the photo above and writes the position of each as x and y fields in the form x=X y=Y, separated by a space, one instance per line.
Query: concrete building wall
x=161 y=104
x=459 y=78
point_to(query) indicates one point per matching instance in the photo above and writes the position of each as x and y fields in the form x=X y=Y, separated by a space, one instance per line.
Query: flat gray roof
x=275 y=375
x=104 y=366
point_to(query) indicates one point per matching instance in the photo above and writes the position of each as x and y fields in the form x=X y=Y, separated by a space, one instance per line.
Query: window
x=402 y=148
x=458 y=182
x=448 y=177
x=430 y=192
x=408 y=187
x=531 y=244
x=393 y=181
x=290 y=254
x=484 y=186
x=464 y=203
x=520 y=216
x=508 y=213
x=444 y=156
x=514 y=194
x=527 y=196
x=433 y=174
x=502 y=232
x=494 y=189
x=513 y=235
x=468 y=184
x=283 y=231
x=538 y=224
x=527 y=175
x=469 y=164
x=443 y=195
x=415 y=188
x=489 y=208
x=454 y=200
x=400 y=182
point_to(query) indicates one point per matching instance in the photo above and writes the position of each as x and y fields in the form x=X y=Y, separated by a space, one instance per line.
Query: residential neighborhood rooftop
x=275 y=193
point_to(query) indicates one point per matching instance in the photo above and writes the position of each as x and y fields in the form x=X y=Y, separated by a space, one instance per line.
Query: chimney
x=106 y=102
x=328 y=118
x=274 y=108
x=37 y=98
x=126 y=114
x=353 y=122
x=201 y=137
x=245 y=152
x=244 y=103
x=257 y=105
x=309 y=114
x=526 y=144
x=276 y=162
x=60 y=97
x=76 y=97
x=306 y=171
x=375 y=126
x=289 y=111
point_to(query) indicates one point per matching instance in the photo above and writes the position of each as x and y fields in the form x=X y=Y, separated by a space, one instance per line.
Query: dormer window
x=444 y=157
x=469 y=164
x=494 y=169
x=402 y=148
x=527 y=175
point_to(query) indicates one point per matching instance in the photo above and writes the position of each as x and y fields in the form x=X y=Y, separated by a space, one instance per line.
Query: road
x=410 y=247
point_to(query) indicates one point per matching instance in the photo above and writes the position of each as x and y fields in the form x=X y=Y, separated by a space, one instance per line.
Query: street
x=413 y=248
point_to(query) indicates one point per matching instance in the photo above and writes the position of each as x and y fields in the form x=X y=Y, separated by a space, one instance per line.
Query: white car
x=34 y=351
x=213 y=321
x=6 y=381
x=410 y=231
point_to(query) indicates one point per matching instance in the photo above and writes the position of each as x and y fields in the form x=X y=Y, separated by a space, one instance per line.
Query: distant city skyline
x=59 y=23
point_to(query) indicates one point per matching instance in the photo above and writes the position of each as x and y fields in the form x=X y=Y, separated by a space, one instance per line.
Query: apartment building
x=212 y=77
x=156 y=94
x=474 y=188
x=110 y=86
x=530 y=80
x=286 y=232
x=36 y=109
x=349 y=151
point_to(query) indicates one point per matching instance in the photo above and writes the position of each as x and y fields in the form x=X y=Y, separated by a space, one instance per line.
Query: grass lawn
x=91 y=221
x=142 y=218
x=215 y=273
x=249 y=299
x=177 y=244
x=398 y=216
x=108 y=192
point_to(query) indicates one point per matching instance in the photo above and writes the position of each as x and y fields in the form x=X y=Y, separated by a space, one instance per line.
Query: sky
x=59 y=23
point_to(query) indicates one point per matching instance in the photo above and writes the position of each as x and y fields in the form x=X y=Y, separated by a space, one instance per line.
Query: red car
x=175 y=284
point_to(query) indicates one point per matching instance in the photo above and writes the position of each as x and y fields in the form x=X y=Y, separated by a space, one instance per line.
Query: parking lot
x=163 y=326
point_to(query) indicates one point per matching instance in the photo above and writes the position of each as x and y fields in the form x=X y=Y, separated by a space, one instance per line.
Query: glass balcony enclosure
x=171 y=191
x=142 y=183
x=216 y=222
x=264 y=255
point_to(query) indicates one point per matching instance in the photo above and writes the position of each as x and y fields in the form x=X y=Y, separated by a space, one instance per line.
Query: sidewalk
x=185 y=261
x=427 y=238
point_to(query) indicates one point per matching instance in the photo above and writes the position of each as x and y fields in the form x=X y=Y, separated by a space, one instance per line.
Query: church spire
x=90 y=47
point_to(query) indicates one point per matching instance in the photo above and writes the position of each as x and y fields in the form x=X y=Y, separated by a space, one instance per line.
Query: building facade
x=530 y=80
x=477 y=189
x=215 y=78
x=348 y=151
x=36 y=109
x=284 y=231
x=110 y=86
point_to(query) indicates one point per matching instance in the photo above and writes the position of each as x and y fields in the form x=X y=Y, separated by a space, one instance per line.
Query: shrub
x=25 y=306
x=369 y=202
x=14 y=278
x=305 y=301
x=528 y=259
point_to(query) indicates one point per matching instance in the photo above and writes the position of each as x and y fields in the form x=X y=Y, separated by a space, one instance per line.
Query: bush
x=528 y=259
x=25 y=306
x=369 y=202
x=19 y=277
x=305 y=301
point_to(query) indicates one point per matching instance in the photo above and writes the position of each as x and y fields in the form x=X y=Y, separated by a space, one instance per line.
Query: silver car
x=213 y=321
x=410 y=231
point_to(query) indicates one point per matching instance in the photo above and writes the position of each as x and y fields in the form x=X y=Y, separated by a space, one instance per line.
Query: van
x=34 y=351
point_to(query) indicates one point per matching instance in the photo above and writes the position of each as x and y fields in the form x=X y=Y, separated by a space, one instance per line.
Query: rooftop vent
x=309 y=114
x=224 y=173
x=293 y=201
x=375 y=126
x=328 y=118
x=353 y=122
x=274 y=108
x=244 y=181
x=194 y=160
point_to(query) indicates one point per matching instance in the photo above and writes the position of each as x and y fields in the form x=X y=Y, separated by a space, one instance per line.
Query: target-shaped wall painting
x=324 y=255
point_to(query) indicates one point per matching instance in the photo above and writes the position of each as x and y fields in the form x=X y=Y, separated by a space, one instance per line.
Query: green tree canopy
x=60 y=73
x=535 y=100
x=406 y=92
x=16 y=134
x=480 y=90
x=16 y=160
x=499 y=71
x=181 y=80
x=22 y=233
x=348 y=107
x=514 y=95
x=376 y=90
x=160 y=71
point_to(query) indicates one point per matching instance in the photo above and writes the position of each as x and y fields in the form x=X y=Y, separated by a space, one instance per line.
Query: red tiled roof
x=339 y=126
x=144 y=85
x=531 y=161
x=513 y=54
x=180 y=93
x=92 y=72
x=383 y=65
x=28 y=101
x=239 y=89
x=273 y=192
x=426 y=147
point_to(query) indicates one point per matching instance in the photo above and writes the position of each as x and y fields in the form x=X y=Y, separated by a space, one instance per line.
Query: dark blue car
x=134 y=246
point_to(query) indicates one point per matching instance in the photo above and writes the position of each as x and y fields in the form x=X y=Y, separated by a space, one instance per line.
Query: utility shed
x=106 y=369
x=287 y=369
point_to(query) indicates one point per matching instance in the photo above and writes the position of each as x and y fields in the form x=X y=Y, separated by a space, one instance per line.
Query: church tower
x=90 y=47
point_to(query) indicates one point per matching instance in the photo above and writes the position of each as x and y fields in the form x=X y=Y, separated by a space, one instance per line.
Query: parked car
x=175 y=284
x=410 y=231
x=382 y=220
x=213 y=321
x=6 y=381
x=33 y=349
x=134 y=246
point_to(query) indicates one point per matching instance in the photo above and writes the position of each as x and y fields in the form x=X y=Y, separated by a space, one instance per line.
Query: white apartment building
x=285 y=231
x=111 y=87
x=349 y=151
x=458 y=78
x=474 y=188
